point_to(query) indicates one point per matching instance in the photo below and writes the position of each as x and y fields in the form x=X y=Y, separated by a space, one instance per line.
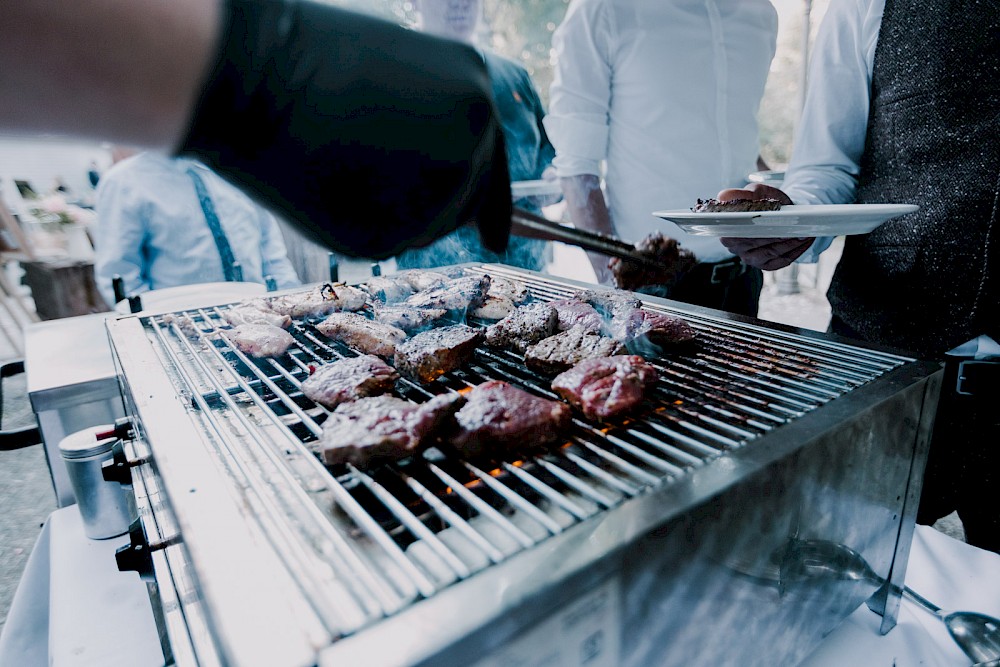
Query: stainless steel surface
x=71 y=383
x=102 y=504
x=978 y=635
x=759 y=434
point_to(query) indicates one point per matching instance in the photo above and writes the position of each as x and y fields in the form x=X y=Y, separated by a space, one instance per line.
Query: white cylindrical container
x=102 y=504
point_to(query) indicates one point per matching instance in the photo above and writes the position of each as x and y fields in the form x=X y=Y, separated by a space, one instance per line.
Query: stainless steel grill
x=360 y=547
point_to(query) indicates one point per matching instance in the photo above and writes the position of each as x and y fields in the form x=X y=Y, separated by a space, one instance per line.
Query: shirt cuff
x=578 y=142
x=811 y=256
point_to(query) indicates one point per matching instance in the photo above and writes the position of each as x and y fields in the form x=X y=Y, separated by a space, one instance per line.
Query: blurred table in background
x=63 y=287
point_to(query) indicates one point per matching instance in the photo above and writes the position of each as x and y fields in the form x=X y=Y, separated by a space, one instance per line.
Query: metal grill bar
x=383 y=538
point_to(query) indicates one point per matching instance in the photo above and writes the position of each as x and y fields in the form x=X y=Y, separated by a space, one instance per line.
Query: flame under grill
x=375 y=542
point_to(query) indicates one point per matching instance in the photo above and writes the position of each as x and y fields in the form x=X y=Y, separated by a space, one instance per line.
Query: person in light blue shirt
x=529 y=151
x=155 y=231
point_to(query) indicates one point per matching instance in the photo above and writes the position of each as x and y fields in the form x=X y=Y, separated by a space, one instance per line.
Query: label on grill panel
x=585 y=633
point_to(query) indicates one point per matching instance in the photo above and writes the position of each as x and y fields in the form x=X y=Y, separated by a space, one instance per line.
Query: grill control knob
x=116 y=469
x=137 y=555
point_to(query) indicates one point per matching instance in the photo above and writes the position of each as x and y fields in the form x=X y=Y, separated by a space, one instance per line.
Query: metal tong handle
x=534 y=226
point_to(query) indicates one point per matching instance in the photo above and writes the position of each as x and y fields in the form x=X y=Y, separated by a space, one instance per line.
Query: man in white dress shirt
x=665 y=93
x=153 y=229
x=903 y=103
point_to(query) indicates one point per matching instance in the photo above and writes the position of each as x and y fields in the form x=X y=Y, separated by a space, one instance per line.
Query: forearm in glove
x=368 y=136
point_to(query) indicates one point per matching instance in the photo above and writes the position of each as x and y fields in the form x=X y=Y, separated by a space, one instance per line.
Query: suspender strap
x=230 y=268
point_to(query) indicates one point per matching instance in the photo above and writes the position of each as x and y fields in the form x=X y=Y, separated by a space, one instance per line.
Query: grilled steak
x=495 y=307
x=641 y=326
x=383 y=428
x=498 y=414
x=349 y=379
x=387 y=289
x=421 y=279
x=362 y=334
x=430 y=354
x=254 y=312
x=602 y=388
x=573 y=312
x=319 y=301
x=461 y=294
x=609 y=303
x=671 y=262
x=260 y=340
x=736 y=205
x=516 y=291
x=558 y=353
x=523 y=327
x=408 y=318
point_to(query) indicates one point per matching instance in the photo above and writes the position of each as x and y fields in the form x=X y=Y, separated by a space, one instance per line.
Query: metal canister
x=102 y=504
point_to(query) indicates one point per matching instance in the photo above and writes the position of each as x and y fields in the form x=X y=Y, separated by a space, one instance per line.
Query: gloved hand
x=369 y=136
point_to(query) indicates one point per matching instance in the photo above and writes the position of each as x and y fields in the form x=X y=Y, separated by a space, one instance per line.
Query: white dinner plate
x=789 y=221
x=541 y=187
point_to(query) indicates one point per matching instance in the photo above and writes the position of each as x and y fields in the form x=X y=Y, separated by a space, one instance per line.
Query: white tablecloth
x=74 y=609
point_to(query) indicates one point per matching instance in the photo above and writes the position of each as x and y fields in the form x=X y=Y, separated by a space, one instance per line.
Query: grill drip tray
x=355 y=551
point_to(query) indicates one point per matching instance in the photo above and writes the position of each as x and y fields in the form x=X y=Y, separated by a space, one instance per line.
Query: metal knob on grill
x=137 y=555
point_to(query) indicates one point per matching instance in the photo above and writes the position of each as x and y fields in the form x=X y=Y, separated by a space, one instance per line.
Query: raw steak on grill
x=523 y=327
x=432 y=353
x=457 y=294
x=361 y=333
x=260 y=340
x=558 y=353
x=498 y=414
x=319 y=301
x=349 y=379
x=408 y=318
x=383 y=428
x=573 y=312
x=602 y=388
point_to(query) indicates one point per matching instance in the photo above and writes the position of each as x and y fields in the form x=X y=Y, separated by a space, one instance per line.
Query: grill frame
x=596 y=544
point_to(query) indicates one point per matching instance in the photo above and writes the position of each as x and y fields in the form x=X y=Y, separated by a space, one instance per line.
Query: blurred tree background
x=522 y=30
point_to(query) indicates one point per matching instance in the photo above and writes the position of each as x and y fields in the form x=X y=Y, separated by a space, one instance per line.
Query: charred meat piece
x=383 y=428
x=495 y=307
x=671 y=262
x=641 y=326
x=260 y=340
x=319 y=301
x=516 y=291
x=609 y=303
x=457 y=294
x=408 y=318
x=349 y=379
x=561 y=352
x=421 y=279
x=525 y=326
x=602 y=388
x=361 y=333
x=573 y=312
x=431 y=354
x=736 y=205
x=254 y=312
x=498 y=414
x=387 y=289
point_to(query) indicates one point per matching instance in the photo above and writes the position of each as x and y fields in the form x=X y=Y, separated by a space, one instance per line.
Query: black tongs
x=534 y=226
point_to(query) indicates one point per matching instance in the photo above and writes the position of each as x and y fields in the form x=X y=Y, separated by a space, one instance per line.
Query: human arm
x=294 y=102
x=588 y=210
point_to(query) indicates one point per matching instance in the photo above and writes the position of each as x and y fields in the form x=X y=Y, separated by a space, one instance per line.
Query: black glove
x=369 y=136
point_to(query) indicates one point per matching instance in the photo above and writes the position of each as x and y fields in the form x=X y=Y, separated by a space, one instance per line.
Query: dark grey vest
x=929 y=281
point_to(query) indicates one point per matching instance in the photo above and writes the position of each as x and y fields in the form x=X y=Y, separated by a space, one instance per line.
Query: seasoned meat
x=260 y=340
x=319 y=301
x=610 y=303
x=671 y=262
x=498 y=414
x=525 y=326
x=461 y=294
x=602 y=388
x=641 y=326
x=431 y=354
x=387 y=289
x=735 y=205
x=361 y=333
x=383 y=428
x=408 y=318
x=349 y=379
x=254 y=312
x=421 y=279
x=558 y=353
x=495 y=307
x=185 y=324
x=573 y=312
x=516 y=292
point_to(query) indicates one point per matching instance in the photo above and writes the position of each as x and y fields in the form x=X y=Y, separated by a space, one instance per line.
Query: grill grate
x=375 y=542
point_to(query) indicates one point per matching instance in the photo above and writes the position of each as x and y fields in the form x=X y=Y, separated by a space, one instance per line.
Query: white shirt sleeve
x=580 y=95
x=120 y=237
x=831 y=135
